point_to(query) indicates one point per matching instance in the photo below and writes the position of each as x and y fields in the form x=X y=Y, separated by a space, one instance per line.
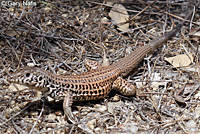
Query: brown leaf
x=119 y=14
x=180 y=60
x=105 y=61
x=17 y=87
x=195 y=34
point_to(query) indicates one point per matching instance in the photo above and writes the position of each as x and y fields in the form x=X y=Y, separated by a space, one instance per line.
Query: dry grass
x=59 y=35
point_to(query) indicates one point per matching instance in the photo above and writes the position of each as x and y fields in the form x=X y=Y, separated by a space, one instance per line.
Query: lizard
x=93 y=84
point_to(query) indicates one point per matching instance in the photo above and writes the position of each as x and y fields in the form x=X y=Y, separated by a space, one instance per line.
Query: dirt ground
x=59 y=36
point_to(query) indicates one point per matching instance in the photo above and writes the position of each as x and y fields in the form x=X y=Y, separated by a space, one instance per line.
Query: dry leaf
x=64 y=15
x=195 y=68
x=191 y=127
x=180 y=60
x=112 y=105
x=195 y=34
x=91 y=124
x=11 y=33
x=189 y=88
x=99 y=107
x=156 y=78
x=47 y=9
x=49 y=23
x=119 y=14
x=30 y=64
x=129 y=127
x=105 y=61
x=197 y=95
x=197 y=111
x=104 y=20
x=16 y=87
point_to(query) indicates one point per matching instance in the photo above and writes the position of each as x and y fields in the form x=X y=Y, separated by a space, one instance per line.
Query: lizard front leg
x=124 y=87
x=67 y=103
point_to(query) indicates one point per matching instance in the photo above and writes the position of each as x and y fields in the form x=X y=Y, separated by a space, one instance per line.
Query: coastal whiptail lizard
x=94 y=84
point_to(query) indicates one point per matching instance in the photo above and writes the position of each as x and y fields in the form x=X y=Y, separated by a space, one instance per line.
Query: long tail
x=155 y=44
x=129 y=62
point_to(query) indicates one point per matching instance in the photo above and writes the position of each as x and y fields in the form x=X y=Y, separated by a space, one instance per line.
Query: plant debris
x=58 y=36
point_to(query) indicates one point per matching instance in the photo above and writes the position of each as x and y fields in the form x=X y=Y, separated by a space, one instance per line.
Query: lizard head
x=28 y=76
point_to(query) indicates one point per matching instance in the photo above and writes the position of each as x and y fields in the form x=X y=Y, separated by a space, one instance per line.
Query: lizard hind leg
x=91 y=65
x=67 y=103
x=124 y=87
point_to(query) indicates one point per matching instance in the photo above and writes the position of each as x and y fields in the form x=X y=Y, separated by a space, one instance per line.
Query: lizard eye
x=27 y=74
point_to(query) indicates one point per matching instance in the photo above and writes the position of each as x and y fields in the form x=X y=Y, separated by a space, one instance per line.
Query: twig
x=42 y=110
